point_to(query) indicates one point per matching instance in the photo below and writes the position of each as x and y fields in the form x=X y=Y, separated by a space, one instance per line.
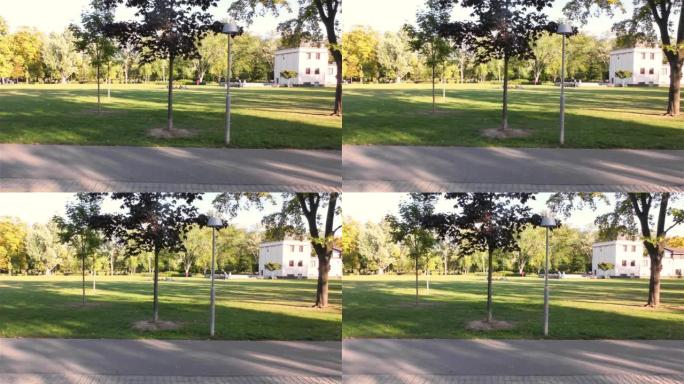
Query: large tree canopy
x=649 y=19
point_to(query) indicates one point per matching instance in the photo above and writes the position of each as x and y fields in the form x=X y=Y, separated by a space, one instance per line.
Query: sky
x=390 y=15
x=364 y=207
x=55 y=15
x=382 y=15
x=35 y=208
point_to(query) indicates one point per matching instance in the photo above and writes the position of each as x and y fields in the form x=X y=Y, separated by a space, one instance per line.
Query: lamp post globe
x=214 y=223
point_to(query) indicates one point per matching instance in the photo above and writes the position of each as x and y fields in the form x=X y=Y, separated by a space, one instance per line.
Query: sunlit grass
x=595 y=117
x=261 y=117
x=245 y=309
x=383 y=307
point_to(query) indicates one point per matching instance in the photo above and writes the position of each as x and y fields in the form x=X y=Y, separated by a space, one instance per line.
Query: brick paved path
x=590 y=379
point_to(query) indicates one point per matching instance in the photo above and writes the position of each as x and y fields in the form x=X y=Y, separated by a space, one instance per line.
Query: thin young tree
x=76 y=230
x=165 y=29
x=485 y=222
x=151 y=222
x=425 y=38
x=92 y=39
x=500 y=30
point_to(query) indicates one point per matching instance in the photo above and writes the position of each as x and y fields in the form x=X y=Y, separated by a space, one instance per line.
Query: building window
x=318 y=56
x=318 y=71
x=308 y=56
x=300 y=263
x=642 y=71
x=643 y=55
x=624 y=263
x=291 y=248
x=624 y=248
x=301 y=248
x=652 y=56
x=633 y=248
x=651 y=71
x=308 y=71
x=645 y=262
x=632 y=263
x=291 y=263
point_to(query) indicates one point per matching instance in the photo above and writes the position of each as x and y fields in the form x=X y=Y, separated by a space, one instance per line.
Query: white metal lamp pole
x=232 y=30
x=213 y=223
x=563 y=29
x=547 y=222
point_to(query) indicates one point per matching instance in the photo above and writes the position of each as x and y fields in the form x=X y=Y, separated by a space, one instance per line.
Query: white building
x=630 y=260
x=645 y=64
x=311 y=63
x=296 y=260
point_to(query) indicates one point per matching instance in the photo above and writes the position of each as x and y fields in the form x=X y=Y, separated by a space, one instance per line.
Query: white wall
x=303 y=60
x=622 y=254
x=636 y=59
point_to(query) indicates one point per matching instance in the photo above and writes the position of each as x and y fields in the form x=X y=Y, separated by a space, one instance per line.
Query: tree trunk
x=169 y=118
x=155 y=304
x=489 y=285
x=322 y=286
x=673 y=98
x=94 y=285
x=337 y=54
x=655 y=254
x=416 y=279
x=504 y=114
x=434 y=105
x=99 y=106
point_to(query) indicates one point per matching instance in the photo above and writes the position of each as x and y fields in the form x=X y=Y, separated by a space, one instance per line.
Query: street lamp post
x=547 y=222
x=214 y=223
x=565 y=30
x=231 y=29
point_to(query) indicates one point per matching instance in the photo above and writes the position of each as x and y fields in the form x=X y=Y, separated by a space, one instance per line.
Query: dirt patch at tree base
x=176 y=133
x=484 y=325
x=150 y=326
x=508 y=133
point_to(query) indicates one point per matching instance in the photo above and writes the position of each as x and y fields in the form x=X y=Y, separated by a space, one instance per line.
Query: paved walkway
x=168 y=361
x=444 y=169
x=512 y=361
x=63 y=168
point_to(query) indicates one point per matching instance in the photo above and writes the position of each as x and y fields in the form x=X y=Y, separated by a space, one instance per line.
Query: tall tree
x=60 y=56
x=426 y=38
x=375 y=246
x=500 y=29
x=5 y=51
x=359 y=49
x=313 y=213
x=648 y=214
x=165 y=29
x=394 y=55
x=44 y=247
x=27 y=45
x=76 y=230
x=305 y=26
x=12 y=244
x=668 y=18
x=485 y=222
x=91 y=38
x=151 y=222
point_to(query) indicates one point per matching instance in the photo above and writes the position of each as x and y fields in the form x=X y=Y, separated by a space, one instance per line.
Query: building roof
x=618 y=241
x=286 y=241
x=676 y=251
x=633 y=49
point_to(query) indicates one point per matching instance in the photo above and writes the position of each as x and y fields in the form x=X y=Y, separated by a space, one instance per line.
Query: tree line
x=38 y=250
x=31 y=56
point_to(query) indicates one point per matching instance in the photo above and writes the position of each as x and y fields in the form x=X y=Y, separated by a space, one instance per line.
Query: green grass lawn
x=383 y=307
x=261 y=117
x=595 y=117
x=245 y=310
